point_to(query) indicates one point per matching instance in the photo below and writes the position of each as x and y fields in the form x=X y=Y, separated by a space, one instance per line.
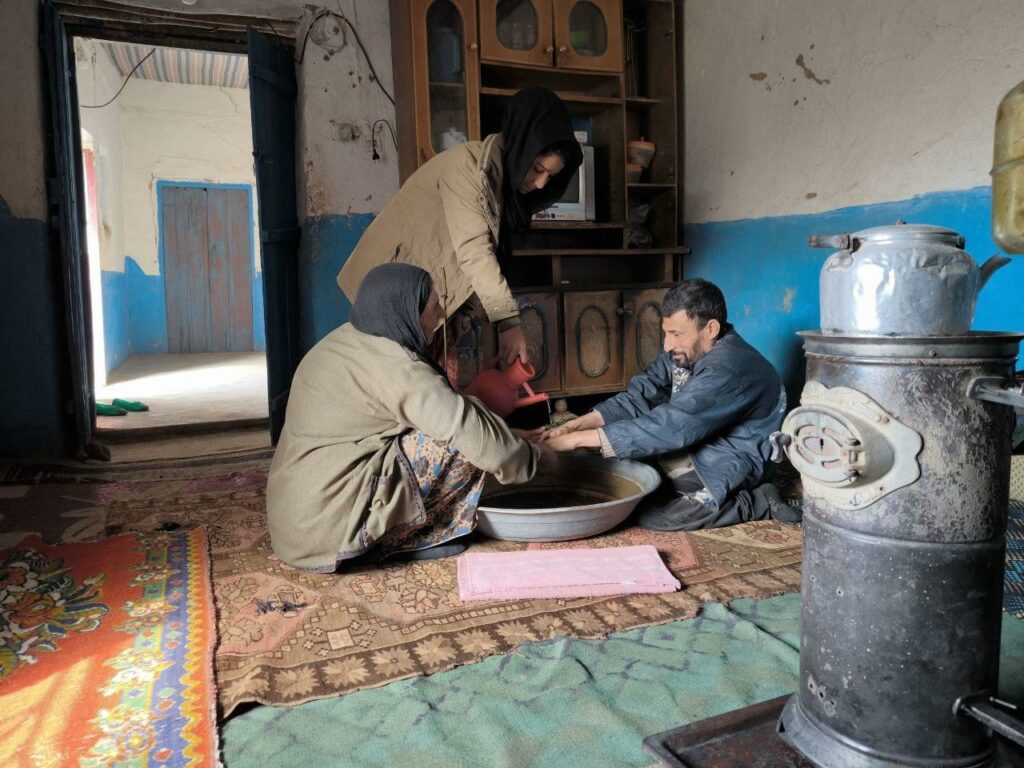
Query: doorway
x=171 y=234
x=98 y=160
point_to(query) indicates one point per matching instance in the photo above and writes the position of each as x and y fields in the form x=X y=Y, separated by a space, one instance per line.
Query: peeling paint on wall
x=809 y=73
x=917 y=76
x=787 y=300
x=761 y=77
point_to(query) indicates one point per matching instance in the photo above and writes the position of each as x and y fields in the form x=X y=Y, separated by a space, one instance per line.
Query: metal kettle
x=900 y=280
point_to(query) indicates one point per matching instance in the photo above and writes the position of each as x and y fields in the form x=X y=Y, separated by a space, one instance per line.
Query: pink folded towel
x=563 y=573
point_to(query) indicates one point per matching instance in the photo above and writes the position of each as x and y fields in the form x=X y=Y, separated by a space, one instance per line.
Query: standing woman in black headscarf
x=455 y=215
x=379 y=456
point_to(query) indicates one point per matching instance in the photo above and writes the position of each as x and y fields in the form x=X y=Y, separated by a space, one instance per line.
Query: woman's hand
x=535 y=436
x=585 y=438
x=512 y=344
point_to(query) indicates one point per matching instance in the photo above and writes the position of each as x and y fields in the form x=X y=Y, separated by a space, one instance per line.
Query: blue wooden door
x=208 y=266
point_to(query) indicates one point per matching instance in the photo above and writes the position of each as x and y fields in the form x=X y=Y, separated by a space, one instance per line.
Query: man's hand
x=512 y=344
x=591 y=420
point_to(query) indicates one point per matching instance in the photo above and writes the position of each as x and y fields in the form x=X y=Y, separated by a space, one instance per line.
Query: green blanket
x=564 y=703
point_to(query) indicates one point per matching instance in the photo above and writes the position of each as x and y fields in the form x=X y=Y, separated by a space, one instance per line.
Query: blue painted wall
x=35 y=384
x=327 y=241
x=770 y=276
x=116 y=334
x=144 y=305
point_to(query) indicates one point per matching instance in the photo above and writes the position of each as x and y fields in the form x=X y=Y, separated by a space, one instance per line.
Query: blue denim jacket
x=722 y=415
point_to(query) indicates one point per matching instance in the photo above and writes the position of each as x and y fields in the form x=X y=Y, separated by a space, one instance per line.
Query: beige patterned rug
x=287 y=637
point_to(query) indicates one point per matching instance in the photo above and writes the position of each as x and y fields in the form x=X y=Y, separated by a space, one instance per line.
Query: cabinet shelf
x=642 y=102
x=674 y=250
x=566 y=96
x=518 y=65
x=557 y=224
x=640 y=187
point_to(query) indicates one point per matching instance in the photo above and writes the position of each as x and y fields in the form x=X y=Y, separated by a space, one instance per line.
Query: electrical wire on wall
x=373 y=136
x=301 y=53
x=325 y=12
x=126 y=79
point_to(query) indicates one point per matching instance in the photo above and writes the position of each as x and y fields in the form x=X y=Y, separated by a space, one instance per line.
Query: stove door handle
x=994 y=389
x=992 y=713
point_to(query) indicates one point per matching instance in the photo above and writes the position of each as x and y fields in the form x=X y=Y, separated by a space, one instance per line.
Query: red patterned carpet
x=106 y=652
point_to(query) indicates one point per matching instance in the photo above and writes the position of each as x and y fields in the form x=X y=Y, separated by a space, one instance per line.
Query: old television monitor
x=577 y=204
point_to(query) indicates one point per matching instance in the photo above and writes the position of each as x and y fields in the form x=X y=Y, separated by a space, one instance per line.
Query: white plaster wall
x=338 y=104
x=22 y=159
x=894 y=98
x=98 y=80
x=174 y=132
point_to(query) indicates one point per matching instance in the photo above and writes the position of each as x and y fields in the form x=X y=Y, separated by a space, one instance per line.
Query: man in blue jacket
x=704 y=410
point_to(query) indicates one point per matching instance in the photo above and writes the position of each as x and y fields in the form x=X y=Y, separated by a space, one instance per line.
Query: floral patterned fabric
x=106 y=653
x=450 y=490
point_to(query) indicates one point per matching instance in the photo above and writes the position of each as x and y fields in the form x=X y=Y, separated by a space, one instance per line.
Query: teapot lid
x=902 y=233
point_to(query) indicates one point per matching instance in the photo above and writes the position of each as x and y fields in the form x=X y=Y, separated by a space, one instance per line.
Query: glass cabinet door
x=517 y=31
x=588 y=34
x=450 y=117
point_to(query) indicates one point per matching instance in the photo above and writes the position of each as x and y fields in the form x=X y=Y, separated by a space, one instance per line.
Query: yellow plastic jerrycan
x=1008 y=173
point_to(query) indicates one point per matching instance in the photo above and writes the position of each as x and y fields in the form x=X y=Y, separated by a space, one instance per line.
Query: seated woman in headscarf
x=456 y=214
x=379 y=456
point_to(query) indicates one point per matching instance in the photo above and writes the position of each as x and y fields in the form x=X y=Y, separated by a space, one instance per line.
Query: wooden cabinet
x=593 y=340
x=610 y=336
x=574 y=34
x=540 y=320
x=590 y=291
x=473 y=346
x=588 y=34
x=517 y=32
x=642 y=337
x=435 y=48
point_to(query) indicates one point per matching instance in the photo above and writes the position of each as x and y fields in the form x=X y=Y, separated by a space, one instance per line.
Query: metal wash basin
x=578 y=495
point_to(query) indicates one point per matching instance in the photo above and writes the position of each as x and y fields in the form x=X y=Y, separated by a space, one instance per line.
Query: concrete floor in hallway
x=187 y=390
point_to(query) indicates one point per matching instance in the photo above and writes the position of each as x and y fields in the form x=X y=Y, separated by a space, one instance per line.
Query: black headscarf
x=535 y=121
x=389 y=303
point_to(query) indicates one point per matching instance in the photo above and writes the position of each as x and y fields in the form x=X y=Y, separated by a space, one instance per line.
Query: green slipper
x=130 y=405
x=102 y=409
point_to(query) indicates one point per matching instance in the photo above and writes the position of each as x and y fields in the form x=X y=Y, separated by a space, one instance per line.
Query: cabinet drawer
x=642 y=336
x=593 y=340
x=539 y=313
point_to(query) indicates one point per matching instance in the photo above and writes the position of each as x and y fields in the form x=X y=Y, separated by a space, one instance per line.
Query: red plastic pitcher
x=499 y=390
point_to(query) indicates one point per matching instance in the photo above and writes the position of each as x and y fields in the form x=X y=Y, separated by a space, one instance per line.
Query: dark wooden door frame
x=66 y=179
x=65 y=197
x=273 y=92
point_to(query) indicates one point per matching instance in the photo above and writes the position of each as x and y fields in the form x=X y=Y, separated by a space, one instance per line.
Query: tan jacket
x=335 y=483
x=445 y=219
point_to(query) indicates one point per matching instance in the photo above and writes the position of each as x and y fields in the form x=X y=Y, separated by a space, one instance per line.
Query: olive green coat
x=445 y=219
x=336 y=484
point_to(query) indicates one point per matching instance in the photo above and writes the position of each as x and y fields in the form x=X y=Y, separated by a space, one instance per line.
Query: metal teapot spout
x=989 y=268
